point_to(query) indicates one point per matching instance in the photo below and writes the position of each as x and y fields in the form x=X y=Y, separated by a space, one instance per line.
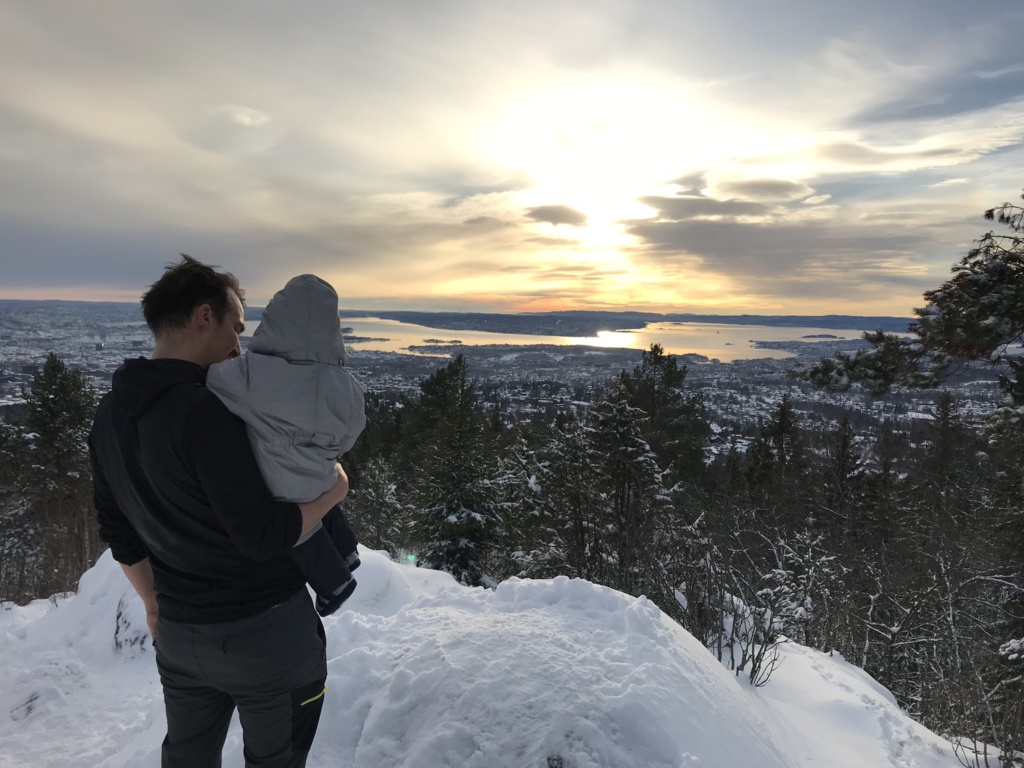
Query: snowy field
x=424 y=673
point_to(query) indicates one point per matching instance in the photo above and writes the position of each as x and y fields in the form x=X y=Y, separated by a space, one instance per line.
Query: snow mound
x=424 y=673
x=535 y=673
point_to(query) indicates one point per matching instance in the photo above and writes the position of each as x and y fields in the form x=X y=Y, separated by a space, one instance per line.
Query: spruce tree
x=12 y=460
x=636 y=504
x=379 y=516
x=458 y=509
x=60 y=406
x=520 y=535
x=571 y=538
x=778 y=471
x=842 y=479
x=674 y=426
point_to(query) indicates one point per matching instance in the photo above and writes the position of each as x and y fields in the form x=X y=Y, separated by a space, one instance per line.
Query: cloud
x=891 y=216
x=692 y=183
x=851 y=153
x=553 y=241
x=948 y=183
x=817 y=199
x=764 y=248
x=685 y=208
x=557 y=215
x=243 y=116
x=1012 y=69
x=763 y=189
x=951 y=94
x=487 y=222
x=786 y=259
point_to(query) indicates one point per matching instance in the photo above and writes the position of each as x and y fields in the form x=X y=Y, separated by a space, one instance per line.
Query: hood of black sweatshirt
x=140 y=382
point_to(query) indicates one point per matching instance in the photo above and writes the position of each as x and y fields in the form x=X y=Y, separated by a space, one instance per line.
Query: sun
x=598 y=144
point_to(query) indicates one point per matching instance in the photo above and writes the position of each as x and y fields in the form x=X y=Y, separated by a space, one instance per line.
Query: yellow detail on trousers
x=314 y=698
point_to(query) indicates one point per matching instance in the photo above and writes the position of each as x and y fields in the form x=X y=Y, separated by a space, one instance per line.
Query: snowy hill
x=424 y=673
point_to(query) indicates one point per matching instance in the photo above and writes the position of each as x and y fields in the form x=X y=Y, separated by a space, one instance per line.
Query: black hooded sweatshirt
x=175 y=481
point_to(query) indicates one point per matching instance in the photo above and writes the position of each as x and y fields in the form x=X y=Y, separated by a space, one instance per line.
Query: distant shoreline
x=588 y=323
x=570 y=322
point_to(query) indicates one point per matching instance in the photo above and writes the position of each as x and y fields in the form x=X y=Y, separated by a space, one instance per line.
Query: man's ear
x=202 y=316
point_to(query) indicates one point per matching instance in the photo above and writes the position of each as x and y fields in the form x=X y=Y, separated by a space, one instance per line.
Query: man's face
x=223 y=341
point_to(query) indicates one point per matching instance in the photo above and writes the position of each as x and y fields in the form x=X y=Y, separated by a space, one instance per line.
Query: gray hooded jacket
x=301 y=407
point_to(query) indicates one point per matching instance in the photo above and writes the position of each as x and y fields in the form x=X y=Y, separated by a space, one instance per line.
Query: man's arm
x=259 y=526
x=314 y=511
x=141 y=577
x=125 y=544
x=114 y=528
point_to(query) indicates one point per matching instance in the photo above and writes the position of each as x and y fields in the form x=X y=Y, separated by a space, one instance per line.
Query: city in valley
x=522 y=381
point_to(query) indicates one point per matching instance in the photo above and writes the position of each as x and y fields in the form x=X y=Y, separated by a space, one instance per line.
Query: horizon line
x=365 y=311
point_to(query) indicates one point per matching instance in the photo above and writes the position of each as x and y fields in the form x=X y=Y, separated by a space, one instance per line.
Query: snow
x=424 y=673
x=920 y=416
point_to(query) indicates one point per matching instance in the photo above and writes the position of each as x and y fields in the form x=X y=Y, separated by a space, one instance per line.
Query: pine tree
x=777 y=470
x=20 y=533
x=803 y=587
x=842 y=476
x=380 y=518
x=60 y=406
x=521 y=535
x=883 y=492
x=674 y=426
x=458 y=510
x=12 y=460
x=571 y=539
x=637 y=506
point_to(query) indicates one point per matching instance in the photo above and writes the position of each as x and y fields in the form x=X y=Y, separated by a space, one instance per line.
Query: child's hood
x=301 y=324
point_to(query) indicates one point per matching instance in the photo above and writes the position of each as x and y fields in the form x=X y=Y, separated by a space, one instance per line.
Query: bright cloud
x=244 y=116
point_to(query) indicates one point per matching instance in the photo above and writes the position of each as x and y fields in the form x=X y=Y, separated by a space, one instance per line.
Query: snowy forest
x=902 y=550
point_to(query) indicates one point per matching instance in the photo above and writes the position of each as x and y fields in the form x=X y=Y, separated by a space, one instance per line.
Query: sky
x=737 y=156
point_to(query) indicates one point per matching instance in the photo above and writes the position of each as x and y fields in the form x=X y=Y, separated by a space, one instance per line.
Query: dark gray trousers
x=271 y=666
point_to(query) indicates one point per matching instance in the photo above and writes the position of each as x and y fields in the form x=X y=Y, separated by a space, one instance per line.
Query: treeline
x=901 y=551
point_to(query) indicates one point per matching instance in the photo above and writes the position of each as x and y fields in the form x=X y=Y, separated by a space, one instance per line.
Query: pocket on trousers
x=307 y=704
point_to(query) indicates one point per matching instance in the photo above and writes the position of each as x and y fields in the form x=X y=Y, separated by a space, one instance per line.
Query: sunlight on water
x=713 y=340
x=609 y=339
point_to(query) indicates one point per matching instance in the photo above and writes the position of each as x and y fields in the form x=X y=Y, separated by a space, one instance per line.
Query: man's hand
x=152 y=616
x=140 y=575
x=313 y=511
x=341 y=486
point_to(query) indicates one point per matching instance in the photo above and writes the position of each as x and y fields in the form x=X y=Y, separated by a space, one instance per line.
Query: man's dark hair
x=170 y=301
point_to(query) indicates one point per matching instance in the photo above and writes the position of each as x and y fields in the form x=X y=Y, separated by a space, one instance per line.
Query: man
x=186 y=513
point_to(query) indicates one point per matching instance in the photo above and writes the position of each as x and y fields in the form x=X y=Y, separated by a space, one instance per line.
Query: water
x=714 y=340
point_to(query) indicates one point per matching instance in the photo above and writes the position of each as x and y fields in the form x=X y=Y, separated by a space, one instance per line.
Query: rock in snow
x=424 y=673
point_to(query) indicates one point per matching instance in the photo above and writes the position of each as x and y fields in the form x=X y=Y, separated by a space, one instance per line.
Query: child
x=302 y=409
